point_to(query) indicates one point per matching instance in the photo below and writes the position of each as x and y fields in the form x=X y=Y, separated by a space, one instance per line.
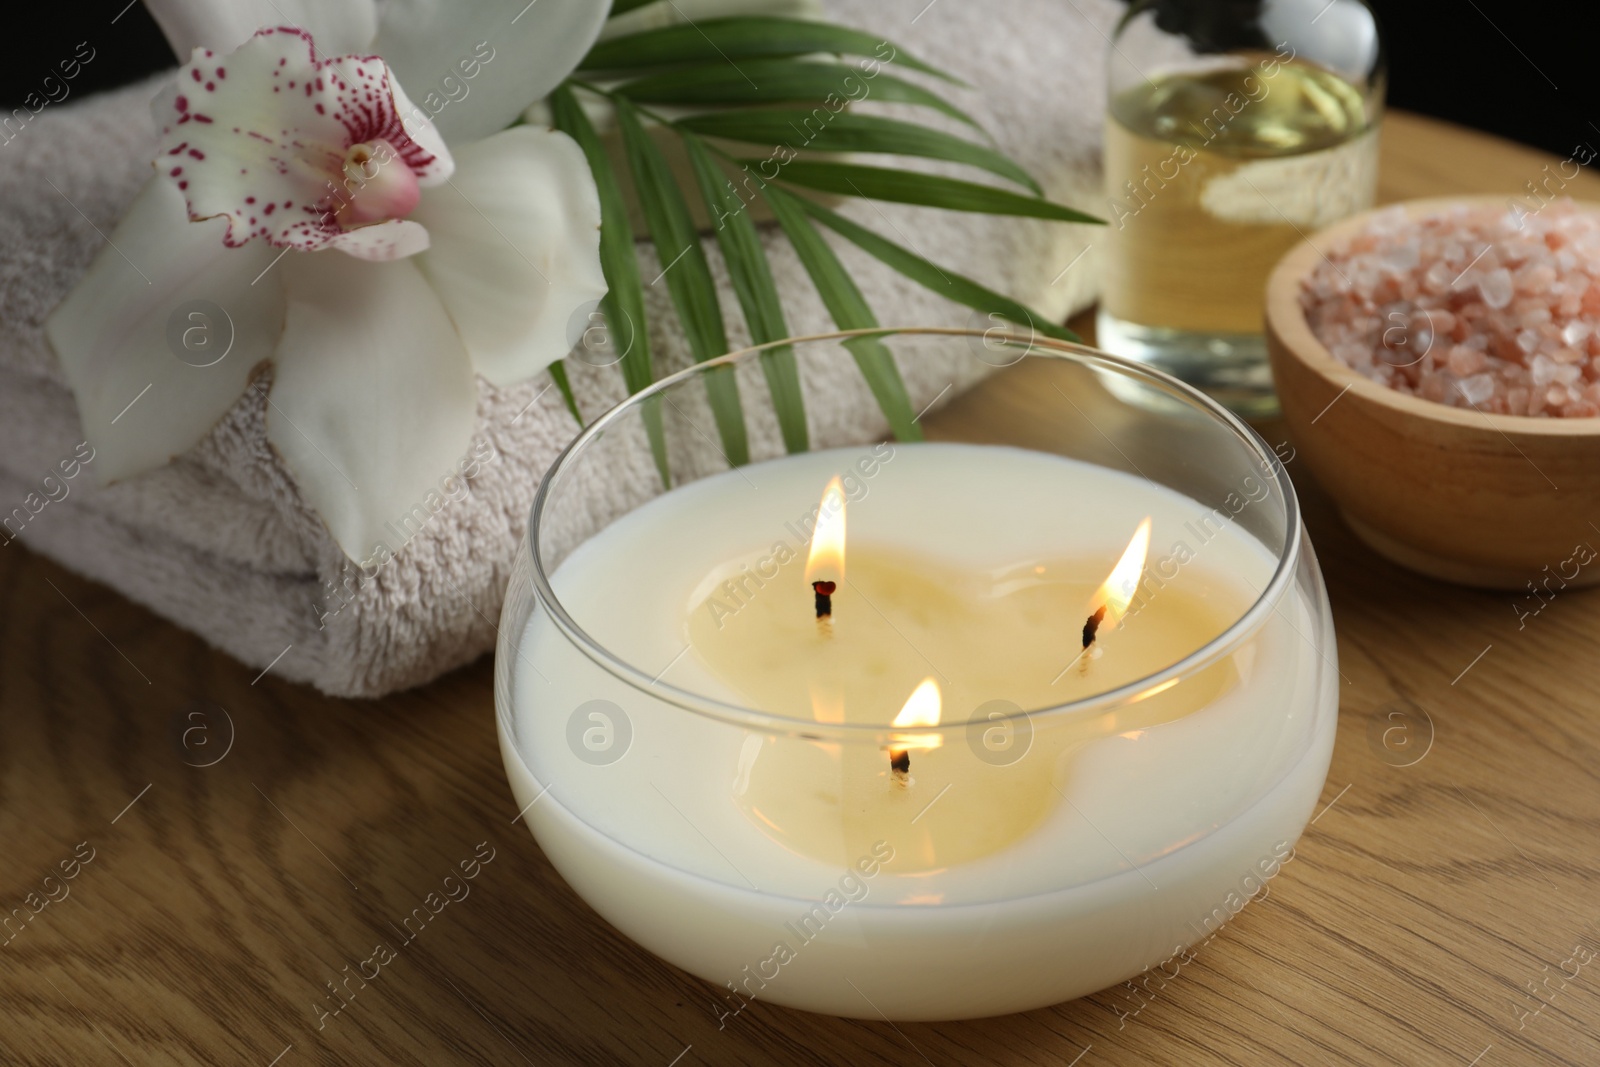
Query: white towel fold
x=219 y=541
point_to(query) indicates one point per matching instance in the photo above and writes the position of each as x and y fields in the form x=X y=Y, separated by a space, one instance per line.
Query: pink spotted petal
x=259 y=137
x=395 y=239
x=420 y=128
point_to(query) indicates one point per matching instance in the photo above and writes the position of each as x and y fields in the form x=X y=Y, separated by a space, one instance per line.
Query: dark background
x=1522 y=70
x=1517 y=69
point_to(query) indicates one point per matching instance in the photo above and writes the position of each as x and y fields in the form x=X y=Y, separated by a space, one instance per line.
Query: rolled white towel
x=220 y=542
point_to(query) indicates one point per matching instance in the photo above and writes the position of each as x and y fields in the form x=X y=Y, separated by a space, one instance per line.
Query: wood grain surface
x=213 y=914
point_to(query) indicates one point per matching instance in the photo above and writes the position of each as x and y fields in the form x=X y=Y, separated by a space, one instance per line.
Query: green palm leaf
x=845 y=131
x=687 y=274
x=930 y=190
x=757 y=292
x=744 y=37
x=623 y=305
x=849 y=310
x=779 y=81
x=725 y=65
x=558 y=374
x=926 y=273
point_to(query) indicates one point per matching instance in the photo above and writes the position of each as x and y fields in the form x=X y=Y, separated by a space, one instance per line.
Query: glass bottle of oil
x=1234 y=128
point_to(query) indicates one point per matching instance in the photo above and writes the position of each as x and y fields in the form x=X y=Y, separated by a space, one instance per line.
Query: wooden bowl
x=1498 y=501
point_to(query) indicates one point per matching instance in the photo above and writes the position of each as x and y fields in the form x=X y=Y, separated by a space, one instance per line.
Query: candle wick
x=900 y=761
x=1092 y=626
x=824 y=592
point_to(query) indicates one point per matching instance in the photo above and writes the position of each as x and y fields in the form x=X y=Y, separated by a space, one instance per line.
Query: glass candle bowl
x=941 y=799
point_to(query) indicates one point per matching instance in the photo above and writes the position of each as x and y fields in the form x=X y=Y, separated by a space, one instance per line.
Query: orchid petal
x=421 y=130
x=516 y=249
x=475 y=64
x=338 y=25
x=373 y=401
x=395 y=239
x=260 y=137
x=136 y=337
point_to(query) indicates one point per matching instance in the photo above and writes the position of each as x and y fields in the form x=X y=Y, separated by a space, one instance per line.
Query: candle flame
x=826 y=561
x=922 y=708
x=1117 y=592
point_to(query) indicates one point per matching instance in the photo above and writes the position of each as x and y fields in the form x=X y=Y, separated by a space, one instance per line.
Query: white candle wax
x=1154 y=831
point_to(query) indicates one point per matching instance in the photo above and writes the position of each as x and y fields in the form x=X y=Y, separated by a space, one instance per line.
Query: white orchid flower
x=307 y=215
x=424 y=42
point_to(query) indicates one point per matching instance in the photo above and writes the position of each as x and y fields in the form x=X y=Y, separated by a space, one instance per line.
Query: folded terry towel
x=220 y=542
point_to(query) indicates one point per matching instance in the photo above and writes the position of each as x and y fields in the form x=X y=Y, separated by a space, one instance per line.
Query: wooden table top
x=210 y=907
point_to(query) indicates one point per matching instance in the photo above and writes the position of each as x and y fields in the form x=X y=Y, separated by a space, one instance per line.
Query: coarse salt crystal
x=1543 y=369
x=1402 y=260
x=1496 y=310
x=1464 y=361
x=1437 y=278
x=1477 y=389
x=1496 y=288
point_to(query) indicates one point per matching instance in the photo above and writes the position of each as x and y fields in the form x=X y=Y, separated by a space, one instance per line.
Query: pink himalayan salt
x=1493 y=309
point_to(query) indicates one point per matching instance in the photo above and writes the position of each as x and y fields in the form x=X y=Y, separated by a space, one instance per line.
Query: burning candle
x=825 y=561
x=1112 y=599
x=1015 y=756
x=1005 y=874
x=922 y=709
x=1000 y=634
